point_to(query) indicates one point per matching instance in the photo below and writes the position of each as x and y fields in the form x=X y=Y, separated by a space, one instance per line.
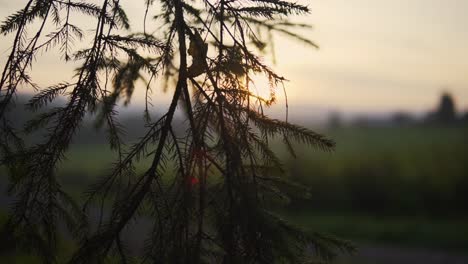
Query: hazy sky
x=374 y=56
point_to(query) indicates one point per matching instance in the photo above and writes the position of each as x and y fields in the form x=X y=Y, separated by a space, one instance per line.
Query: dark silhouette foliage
x=446 y=112
x=216 y=207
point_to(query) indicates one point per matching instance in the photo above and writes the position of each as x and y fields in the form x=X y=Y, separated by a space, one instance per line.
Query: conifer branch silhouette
x=216 y=205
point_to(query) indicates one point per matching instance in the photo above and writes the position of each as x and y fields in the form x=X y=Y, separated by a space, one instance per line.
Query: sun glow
x=261 y=86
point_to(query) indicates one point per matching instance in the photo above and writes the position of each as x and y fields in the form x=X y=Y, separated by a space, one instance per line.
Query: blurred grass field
x=388 y=185
x=391 y=170
x=403 y=186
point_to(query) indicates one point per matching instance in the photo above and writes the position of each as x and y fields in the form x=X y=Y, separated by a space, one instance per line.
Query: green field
x=376 y=185
x=402 y=186
x=388 y=185
x=413 y=170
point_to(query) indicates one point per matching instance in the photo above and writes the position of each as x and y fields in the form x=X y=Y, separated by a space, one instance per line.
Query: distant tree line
x=445 y=114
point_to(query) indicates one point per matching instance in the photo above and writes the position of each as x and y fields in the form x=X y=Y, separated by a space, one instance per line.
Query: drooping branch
x=208 y=189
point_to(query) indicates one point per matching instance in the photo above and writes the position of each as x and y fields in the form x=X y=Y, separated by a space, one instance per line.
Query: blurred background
x=389 y=84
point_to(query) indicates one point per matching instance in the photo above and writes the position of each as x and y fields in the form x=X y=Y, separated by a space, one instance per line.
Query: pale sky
x=375 y=55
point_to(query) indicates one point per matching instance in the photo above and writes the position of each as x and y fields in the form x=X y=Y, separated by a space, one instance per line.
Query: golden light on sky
x=374 y=56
